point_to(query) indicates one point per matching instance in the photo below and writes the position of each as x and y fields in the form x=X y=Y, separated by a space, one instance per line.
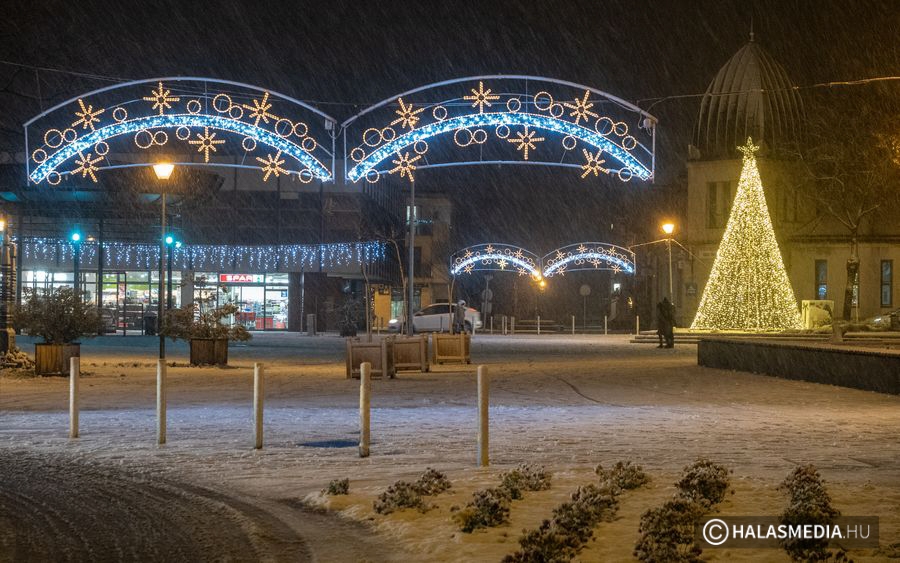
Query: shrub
x=398 y=496
x=338 y=487
x=58 y=316
x=488 y=508
x=525 y=477
x=572 y=526
x=432 y=482
x=667 y=532
x=809 y=503
x=705 y=482
x=623 y=475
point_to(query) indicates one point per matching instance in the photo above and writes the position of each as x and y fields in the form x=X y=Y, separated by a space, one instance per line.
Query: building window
x=887 y=285
x=821 y=279
x=718 y=204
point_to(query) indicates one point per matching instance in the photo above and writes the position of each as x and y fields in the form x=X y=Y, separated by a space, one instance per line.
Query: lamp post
x=163 y=171
x=76 y=261
x=170 y=245
x=7 y=290
x=669 y=228
x=412 y=255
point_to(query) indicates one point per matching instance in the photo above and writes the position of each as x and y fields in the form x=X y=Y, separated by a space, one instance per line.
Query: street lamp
x=76 y=260
x=163 y=171
x=669 y=228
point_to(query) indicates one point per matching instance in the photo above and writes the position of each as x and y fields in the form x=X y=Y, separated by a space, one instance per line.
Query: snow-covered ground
x=568 y=402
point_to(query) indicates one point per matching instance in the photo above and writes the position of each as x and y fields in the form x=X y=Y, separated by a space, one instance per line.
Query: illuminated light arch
x=588 y=256
x=207 y=116
x=595 y=132
x=495 y=256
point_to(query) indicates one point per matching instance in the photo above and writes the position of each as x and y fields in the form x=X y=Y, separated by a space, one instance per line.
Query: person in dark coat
x=666 y=312
x=661 y=330
x=459 y=318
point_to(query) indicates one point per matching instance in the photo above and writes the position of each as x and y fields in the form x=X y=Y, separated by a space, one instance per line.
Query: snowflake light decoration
x=583 y=256
x=516 y=111
x=201 y=122
x=405 y=165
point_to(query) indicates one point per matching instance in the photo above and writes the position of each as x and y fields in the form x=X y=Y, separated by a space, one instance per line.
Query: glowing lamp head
x=668 y=228
x=542 y=284
x=169 y=240
x=163 y=170
x=76 y=237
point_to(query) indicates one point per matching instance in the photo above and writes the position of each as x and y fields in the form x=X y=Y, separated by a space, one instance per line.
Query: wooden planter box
x=205 y=351
x=452 y=348
x=54 y=359
x=411 y=353
x=379 y=353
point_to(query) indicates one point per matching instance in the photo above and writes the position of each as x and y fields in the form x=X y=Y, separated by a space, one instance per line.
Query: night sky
x=343 y=56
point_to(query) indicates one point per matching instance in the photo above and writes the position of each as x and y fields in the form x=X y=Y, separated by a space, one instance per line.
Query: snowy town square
x=449 y=281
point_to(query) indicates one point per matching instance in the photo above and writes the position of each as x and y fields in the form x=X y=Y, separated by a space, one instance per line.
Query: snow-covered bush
x=525 y=477
x=625 y=476
x=488 y=508
x=338 y=487
x=667 y=533
x=400 y=495
x=572 y=526
x=809 y=503
x=432 y=482
x=705 y=482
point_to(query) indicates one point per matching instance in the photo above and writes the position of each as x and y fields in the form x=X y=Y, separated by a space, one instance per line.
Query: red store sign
x=241 y=278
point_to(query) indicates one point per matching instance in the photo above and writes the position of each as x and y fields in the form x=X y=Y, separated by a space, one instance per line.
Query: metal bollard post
x=492 y=325
x=160 y=401
x=365 y=389
x=74 y=375
x=539 y=324
x=512 y=325
x=637 y=325
x=605 y=332
x=258 y=400
x=483 y=405
x=573 y=325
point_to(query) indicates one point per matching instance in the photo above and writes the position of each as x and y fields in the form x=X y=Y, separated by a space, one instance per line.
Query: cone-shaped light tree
x=748 y=288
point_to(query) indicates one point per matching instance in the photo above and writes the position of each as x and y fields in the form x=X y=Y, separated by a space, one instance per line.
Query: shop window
x=887 y=283
x=821 y=279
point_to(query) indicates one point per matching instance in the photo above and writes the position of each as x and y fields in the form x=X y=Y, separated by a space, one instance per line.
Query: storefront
x=126 y=298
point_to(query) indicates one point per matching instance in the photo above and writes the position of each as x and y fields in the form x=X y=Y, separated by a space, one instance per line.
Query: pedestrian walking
x=459 y=318
x=666 y=312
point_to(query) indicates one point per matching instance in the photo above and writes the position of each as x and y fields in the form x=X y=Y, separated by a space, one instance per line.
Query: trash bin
x=150 y=325
x=895 y=321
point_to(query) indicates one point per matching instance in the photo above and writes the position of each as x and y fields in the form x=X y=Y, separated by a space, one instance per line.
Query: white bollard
x=605 y=332
x=539 y=324
x=365 y=389
x=573 y=325
x=637 y=325
x=258 y=400
x=74 y=375
x=160 y=401
x=483 y=405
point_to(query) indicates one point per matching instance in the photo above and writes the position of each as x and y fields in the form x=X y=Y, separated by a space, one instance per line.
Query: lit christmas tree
x=748 y=288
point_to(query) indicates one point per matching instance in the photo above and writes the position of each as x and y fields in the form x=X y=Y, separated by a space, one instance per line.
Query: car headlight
x=393 y=321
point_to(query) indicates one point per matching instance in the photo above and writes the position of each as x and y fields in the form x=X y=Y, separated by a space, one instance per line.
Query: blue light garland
x=393 y=147
x=210 y=257
x=86 y=143
x=574 y=257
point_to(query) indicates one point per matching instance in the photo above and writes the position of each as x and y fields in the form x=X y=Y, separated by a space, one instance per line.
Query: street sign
x=584 y=290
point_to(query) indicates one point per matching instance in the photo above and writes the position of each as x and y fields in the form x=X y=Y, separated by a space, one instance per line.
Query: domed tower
x=751 y=96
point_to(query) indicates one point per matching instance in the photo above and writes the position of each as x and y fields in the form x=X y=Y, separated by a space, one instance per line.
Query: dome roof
x=751 y=96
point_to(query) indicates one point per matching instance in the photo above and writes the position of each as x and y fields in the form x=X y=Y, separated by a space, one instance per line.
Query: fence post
x=365 y=388
x=258 y=403
x=483 y=404
x=512 y=325
x=160 y=401
x=74 y=375
x=637 y=325
x=605 y=332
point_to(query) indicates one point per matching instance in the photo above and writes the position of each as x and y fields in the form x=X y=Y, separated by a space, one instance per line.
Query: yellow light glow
x=163 y=170
x=668 y=228
x=2 y=225
x=748 y=288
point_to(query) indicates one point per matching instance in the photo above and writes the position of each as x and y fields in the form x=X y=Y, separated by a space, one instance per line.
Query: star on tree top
x=749 y=149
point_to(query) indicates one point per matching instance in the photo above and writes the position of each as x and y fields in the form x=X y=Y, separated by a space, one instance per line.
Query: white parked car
x=438 y=317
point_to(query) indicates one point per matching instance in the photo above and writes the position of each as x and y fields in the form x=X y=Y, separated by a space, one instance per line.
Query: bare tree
x=852 y=164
